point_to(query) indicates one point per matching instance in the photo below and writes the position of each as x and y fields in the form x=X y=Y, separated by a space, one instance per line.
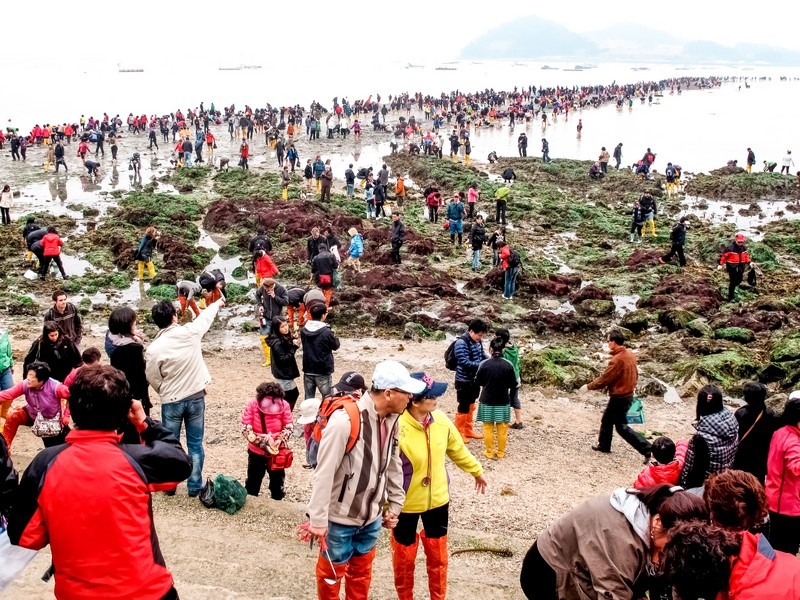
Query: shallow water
x=724 y=211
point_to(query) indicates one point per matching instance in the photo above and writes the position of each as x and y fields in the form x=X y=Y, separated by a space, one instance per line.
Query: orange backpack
x=328 y=407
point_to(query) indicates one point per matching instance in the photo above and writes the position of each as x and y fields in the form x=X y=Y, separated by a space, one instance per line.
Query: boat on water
x=131 y=70
x=549 y=68
x=445 y=68
x=240 y=67
x=410 y=66
x=252 y=66
x=230 y=68
x=640 y=68
x=586 y=66
x=519 y=64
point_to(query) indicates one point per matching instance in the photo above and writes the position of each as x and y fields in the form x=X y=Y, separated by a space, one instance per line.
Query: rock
x=728 y=368
x=652 y=387
x=636 y=320
x=641 y=259
x=777 y=402
x=675 y=318
x=735 y=334
x=542 y=321
x=590 y=292
x=165 y=278
x=549 y=304
x=755 y=320
x=417 y=332
x=699 y=328
x=787 y=349
x=558 y=367
x=544 y=287
x=692 y=384
x=569 y=279
x=698 y=295
x=390 y=318
x=595 y=308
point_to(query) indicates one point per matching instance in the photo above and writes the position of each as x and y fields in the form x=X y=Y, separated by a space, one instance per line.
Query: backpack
x=450 y=360
x=514 y=259
x=207 y=281
x=328 y=407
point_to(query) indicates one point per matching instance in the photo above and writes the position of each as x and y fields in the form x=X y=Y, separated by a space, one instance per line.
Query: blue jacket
x=455 y=212
x=356 y=246
x=469 y=355
x=319 y=167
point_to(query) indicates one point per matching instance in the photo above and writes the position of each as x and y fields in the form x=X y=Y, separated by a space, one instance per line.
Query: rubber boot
x=502 y=438
x=632 y=238
x=319 y=186
x=488 y=440
x=436 y=559
x=403 y=558
x=468 y=428
x=460 y=423
x=267 y=351
x=140 y=267
x=285 y=194
x=4 y=406
x=15 y=418
x=326 y=591
x=358 y=576
x=151 y=268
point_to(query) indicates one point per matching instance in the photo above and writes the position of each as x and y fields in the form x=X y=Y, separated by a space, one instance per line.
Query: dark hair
x=99 y=398
x=58 y=293
x=51 y=229
x=49 y=327
x=317 y=311
x=91 y=356
x=696 y=559
x=663 y=450
x=478 y=326
x=121 y=320
x=615 y=335
x=503 y=333
x=755 y=393
x=709 y=401
x=41 y=369
x=791 y=412
x=497 y=345
x=322 y=245
x=163 y=313
x=735 y=500
x=672 y=503
x=269 y=389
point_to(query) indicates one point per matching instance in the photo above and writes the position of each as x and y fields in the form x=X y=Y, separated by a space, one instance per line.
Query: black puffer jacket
x=477 y=236
x=284 y=363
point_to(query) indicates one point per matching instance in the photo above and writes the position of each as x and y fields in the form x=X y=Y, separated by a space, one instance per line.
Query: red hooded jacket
x=669 y=473
x=762 y=573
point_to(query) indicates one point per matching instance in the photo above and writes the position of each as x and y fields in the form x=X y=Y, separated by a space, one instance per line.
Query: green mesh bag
x=229 y=494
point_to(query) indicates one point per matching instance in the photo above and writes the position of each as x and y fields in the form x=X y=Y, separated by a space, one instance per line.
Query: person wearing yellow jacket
x=427 y=437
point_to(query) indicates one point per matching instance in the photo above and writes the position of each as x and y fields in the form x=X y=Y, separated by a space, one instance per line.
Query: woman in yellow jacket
x=427 y=436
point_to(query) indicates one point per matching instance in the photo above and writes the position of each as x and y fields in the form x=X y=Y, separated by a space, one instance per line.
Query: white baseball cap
x=391 y=375
x=308 y=411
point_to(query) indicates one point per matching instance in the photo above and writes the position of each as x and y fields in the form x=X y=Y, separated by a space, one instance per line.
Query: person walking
x=342 y=512
x=109 y=548
x=511 y=354
x=283 y=347
x=398 y=236
x=319 y=343
x=678 y=238
x=619 y=378
x=603 y=160
x=427 y=437
x=6 y=202
x=266 y=425
x=787 y=162
x=455 y=214
x=545 y=147
x=751 y=160
x=469 y=354
x=124 y=346
x=244 y=154
x=501 y=200
x=618 y=155
x=736 y=259
x=649 y=208
x=144 y=253
x=179 y=375
x=511 y=262
x=66 y=316
x=497 y=379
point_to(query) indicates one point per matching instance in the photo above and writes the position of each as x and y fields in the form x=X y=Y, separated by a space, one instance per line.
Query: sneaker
x=517 y=425
x=506 y=298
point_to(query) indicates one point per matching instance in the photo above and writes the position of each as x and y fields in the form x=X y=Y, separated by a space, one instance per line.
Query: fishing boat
x=230 y=68
x=549 y=68
x=445 y=68
x=410 y=66
x=252 y=66
x=121 y=70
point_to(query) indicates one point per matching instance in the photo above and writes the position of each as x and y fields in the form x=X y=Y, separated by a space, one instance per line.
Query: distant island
x=535 y=38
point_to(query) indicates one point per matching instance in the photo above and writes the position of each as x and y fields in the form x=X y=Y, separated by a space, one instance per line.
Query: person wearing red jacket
x=736 y=258
x=702 y=560
x=51 y=249
x=244 y=153
x=783 y=480
x=83 y=150
x=265 y=267
x=108 y=548
x=667 y=466
x=266 y=424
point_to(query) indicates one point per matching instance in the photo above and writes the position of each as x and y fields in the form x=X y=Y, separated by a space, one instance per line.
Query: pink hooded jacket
x=783 y=472
x=277 y=415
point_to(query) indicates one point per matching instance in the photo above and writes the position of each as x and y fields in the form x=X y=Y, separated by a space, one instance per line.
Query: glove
x=583 y=389
x=719 y=267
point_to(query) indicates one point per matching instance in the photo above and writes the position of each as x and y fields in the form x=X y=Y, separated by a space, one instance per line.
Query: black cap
x=350 y=382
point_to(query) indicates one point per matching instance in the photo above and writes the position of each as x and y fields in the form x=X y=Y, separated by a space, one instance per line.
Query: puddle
x=724 y=211
x=625 y=304
x=460 y=286
x=226 y=265
x=74 y=266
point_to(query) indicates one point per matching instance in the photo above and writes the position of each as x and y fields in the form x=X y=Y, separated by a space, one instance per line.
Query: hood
x=634 y=510
x=314 y=327
x=117 y=340
x=721 y=426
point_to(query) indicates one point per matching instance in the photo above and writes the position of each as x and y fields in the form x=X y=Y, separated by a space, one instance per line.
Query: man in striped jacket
x=350 y=488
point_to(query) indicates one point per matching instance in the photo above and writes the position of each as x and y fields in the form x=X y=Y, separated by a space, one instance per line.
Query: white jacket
x=175 y=366
x=6 y=200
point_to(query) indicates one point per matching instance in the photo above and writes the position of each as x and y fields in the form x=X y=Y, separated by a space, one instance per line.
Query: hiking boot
x=598 y=448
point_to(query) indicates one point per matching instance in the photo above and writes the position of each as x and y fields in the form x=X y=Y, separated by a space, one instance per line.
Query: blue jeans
x=187 y=159
x=476 y=259
x=511 y=282
x=344 y=541
x=191 y=411
x=350 y=190
x=6 y=379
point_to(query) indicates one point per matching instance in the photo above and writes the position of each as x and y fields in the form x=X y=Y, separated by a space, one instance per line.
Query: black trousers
x=537 y=578
x=676 y=249
x=467 y=393
x=46 y=266
x=256 y=469
x=433 y=214
x=434 y=523
x=396 y=252
x=614 y=417
x=7 y=215
x=291 y=397
x=784 y=533
x=735 y=276
x=500 y=212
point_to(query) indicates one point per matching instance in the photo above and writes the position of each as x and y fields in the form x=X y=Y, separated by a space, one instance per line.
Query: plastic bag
x=229 y=494
x=13 y=559
x=207 y=494
x=32 y=275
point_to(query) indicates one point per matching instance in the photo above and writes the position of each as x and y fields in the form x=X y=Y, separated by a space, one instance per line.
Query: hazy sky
x=333 y=35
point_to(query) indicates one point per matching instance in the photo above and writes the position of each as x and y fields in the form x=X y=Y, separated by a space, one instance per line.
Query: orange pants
x=213 y=296
x=301 y=315
x=192 y=305
x=16 y=417
x=327 y=292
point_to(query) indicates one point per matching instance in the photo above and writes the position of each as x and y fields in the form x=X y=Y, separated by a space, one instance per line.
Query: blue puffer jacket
x=318 y=167
x=356 y=246
x=469 y=354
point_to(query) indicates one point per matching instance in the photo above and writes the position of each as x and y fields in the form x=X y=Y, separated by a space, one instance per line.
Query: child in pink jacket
x=266 y=422
x=667 y=466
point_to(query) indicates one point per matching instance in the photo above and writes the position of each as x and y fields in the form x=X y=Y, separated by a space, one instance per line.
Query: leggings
x=538 y=579
x=434 y=523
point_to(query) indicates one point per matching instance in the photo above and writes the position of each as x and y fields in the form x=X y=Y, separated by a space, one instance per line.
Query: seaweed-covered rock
x=788 y=348
x=393 y=279
x=735 y=334
x=542 y=321
x=558 y=367
x=595 y=308
x=641 y=259
x=675 y=318
x=637 y=320
x=728 y=368
x=590 y=292
x=698 y=295
x=699 y=328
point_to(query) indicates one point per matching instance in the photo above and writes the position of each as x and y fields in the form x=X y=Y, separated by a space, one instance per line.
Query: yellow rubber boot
x=267 y=351
x=319 y=186
x=152 y=269
x=502 y=438
x=652 y=227
x=488 y=440
x=285 y=194
x=140 y=266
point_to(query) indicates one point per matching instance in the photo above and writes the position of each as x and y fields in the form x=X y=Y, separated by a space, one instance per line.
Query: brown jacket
x=621 y=374
x=595 y=553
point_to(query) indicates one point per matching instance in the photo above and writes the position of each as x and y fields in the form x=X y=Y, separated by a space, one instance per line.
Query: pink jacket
x=783 y=472
x=277 y=415
x=669 y=473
